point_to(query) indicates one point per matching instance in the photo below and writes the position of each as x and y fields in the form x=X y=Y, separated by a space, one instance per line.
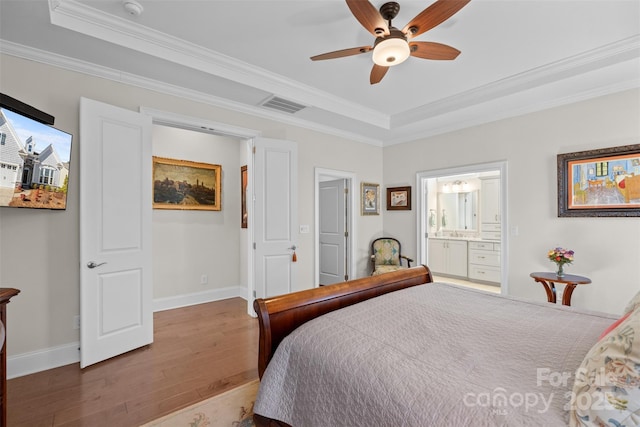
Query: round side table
x=549 y=280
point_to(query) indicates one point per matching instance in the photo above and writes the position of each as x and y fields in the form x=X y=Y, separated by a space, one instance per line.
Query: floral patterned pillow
x=606 y=390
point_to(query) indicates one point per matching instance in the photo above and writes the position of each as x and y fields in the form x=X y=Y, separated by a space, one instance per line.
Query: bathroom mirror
x=458 y=211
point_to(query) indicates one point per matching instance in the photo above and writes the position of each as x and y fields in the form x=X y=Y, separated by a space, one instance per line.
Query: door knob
x=92 y=264
x=294 y=257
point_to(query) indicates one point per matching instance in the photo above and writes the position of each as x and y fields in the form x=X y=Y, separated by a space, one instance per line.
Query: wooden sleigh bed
x=398 y=349
x=281 y=315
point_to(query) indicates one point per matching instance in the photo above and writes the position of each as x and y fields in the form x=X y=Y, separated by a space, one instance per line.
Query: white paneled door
x=115 y=231
x=332 y=201
x=275 y=186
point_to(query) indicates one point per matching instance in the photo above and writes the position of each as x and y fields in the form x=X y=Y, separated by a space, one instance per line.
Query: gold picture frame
x=186 y=185
x=370 y=198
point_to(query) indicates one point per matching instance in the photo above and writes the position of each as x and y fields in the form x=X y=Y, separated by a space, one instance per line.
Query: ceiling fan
x=393 y=46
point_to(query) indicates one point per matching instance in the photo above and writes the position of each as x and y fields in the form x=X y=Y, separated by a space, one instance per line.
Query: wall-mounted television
x=34 y=158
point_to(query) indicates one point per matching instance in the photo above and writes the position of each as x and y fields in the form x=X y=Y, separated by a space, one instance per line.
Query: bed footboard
x=278 y=316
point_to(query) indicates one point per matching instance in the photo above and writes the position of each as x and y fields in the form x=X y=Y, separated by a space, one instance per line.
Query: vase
x=560 y=272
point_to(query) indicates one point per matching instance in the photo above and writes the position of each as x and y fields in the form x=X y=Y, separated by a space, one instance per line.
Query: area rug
x=233 y=408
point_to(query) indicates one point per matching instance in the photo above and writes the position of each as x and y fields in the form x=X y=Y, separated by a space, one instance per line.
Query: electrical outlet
x=76 y=322
x=204 y=279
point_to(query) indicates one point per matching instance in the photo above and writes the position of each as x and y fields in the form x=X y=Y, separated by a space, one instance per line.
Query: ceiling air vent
x=281 y=104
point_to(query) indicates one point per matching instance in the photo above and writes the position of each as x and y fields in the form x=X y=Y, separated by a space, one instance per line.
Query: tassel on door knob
x=294 y=257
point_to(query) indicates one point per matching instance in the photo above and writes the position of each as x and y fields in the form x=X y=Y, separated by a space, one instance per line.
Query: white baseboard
x=178 y=301
x=41 y=360
x=54 y=357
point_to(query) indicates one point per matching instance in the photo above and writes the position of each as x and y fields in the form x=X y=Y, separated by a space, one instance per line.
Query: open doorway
x=462 y=225
x=334 y=226
x=192 y=246
x=204 y=280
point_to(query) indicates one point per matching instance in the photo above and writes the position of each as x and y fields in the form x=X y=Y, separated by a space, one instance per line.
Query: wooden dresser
x=5 y=295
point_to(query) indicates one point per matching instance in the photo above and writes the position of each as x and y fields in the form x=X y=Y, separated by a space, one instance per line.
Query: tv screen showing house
x=34 y=163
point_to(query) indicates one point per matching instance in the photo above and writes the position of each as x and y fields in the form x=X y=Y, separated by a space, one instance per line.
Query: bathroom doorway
x=462 y=224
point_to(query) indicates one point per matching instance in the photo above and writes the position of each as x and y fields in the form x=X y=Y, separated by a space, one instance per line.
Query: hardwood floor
x=198 y=352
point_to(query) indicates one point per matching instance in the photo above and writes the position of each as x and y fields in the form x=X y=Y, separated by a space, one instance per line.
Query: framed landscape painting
x=186 y=185
x=603 y=182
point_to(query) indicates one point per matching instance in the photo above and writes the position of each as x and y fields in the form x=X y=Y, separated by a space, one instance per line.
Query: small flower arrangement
x=561 y=257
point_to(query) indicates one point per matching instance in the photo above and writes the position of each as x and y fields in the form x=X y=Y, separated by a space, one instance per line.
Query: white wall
x=188 y=244
x=607 y=249
x=39 y=250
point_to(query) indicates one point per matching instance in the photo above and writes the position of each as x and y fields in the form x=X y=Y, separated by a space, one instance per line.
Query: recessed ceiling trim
x=608 y=55
x=431 y=126
x=84 y=19
x=583 y=88
x=71 y=64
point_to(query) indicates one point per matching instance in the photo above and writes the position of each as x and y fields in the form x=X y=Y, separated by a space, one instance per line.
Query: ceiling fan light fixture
x=391 y=51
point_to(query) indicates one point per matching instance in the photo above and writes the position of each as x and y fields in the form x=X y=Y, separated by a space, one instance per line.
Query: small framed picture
x=370 y=198
x=399 y=198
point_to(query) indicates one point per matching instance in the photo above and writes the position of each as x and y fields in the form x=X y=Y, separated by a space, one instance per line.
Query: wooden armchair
x=386 y=256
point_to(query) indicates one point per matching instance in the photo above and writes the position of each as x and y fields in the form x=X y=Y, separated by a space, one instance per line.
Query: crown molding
x=604 y=56
x=458 y=118
x=520 y=94
x=70 y=64
x=517 y=104
x=84 y=19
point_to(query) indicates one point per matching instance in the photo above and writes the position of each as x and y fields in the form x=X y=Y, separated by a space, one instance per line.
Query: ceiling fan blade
x=369 y=17
x=377 y=73
x=432 y=16
x=342 y=53
x=430 y=50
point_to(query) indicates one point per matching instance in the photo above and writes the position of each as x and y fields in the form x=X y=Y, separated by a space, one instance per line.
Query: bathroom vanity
x=465 y=237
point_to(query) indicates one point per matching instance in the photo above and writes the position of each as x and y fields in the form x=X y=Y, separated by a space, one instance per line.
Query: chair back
x=385 y=251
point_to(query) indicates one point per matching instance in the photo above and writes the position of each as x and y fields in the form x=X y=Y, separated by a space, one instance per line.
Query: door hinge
x=346 y=277
x=346 y=191
x=254 y=245
x=346 y=234
x=254 y=293
x=254 y=149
